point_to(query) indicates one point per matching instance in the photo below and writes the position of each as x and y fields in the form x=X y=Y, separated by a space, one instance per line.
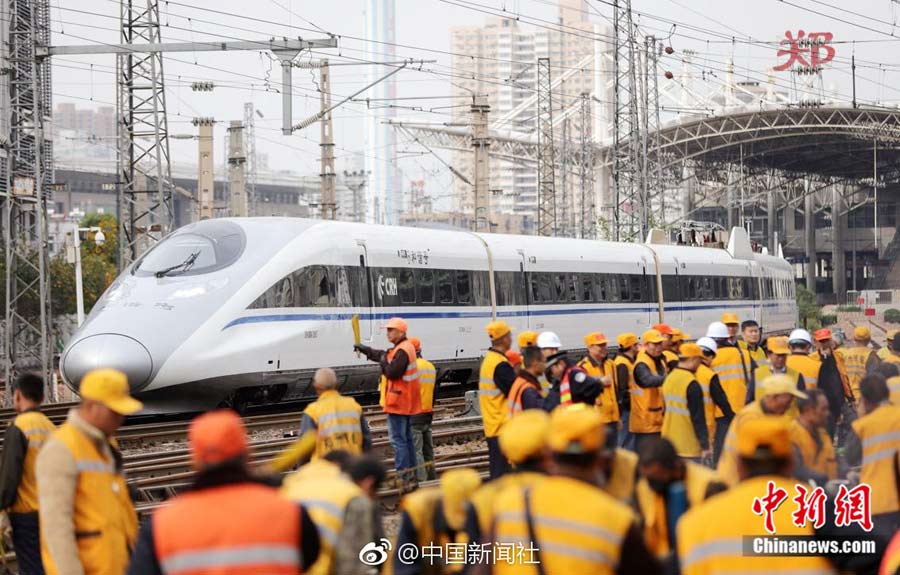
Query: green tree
x=808 y=308
x=98 y=267
x=107 y=223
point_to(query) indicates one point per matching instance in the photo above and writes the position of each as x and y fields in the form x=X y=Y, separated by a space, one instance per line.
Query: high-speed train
x=244 y=310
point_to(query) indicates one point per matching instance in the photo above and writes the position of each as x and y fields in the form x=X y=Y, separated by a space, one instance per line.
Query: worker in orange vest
x=402 y=396
x=230 y=522
x=646 y=395
x=526 y=389
x=598 y=365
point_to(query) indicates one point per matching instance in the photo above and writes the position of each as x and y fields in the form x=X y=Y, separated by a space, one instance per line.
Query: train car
x=243 y=310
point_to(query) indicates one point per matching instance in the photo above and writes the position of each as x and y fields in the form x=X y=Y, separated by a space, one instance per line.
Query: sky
x=718 y=31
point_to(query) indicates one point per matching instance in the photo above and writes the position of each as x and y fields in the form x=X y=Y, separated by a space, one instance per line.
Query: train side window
x=572 y=287
x=481 y=288
x=636 y=291
x=546 y=295
x=559 y=287
x=693 y=289
x=601 y=287
x=612 y=287
x=670 y=288
x=406 y=285
x=445 y=286
x=463 y=286
x=343 y=290
x=624 y=292
x=312 y=287
x=587 y=287
x=425 y=285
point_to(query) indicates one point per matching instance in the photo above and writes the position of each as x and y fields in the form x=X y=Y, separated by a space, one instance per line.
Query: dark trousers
x=498 y=463
x=642 y=438
x=424 y=445
x=626 y=438
x=26 y=537
x=722 y=424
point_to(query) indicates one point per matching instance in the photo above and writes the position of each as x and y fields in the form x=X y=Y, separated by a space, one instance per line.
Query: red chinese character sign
x=850 y=506
x=768 y=504
x=811 y=50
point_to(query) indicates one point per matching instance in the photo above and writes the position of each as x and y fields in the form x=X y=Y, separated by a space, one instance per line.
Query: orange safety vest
x=646 y=403
x=233 y=529
x=607 y=403
x=402 y=395
x=733 y=366
x=514 y=403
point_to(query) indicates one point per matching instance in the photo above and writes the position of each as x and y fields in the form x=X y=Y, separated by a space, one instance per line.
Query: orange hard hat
x=417 y=343
x=396 y=323
x=215 y=437
x=663 y=328
x=822 y=334
x=514 y=357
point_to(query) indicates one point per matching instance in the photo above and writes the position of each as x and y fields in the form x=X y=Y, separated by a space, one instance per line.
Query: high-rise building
x=499 y=60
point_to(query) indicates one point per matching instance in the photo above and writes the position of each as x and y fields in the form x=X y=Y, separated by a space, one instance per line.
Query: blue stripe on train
x=476 y=314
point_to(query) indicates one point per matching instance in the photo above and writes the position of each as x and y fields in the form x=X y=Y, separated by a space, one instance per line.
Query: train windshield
x=195 y=249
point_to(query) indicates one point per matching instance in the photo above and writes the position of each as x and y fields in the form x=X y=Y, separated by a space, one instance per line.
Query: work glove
x=366 y=351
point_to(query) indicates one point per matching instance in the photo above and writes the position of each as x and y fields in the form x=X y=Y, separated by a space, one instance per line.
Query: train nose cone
x=108 y=350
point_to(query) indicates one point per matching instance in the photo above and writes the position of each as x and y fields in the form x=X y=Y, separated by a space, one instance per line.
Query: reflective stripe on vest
x=36 y=428
x=732 y=365
x=233 y=557
x=646 y=403
x=607 y=403
x=427 y=375
x=402 y=396
x=338 y=423
x=494 y=409
x=514 y=403
x=808 y=368
x=677 y=426
x=879 y=433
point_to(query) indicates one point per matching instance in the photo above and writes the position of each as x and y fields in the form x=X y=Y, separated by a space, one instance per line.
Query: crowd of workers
x=660 y=460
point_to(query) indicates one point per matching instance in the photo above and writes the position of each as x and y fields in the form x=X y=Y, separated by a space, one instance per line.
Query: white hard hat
x=708 y=343
x=717 y=330
x=548 y=339
x=800 y=335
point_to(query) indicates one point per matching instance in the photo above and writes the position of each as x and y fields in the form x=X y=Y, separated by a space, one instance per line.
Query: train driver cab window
x=445 y=286
x=313 y=287
x=194 y=249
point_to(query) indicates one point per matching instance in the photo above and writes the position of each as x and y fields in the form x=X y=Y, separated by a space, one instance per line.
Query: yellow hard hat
x=626 y=340
x=778 y=346
x=730 y=318
x=109 y=387
x=763 y=438
x=457 y=485
x=678 y=335
x=527 y=338
x=862 y=332
x=497 y=329
x=595 y=338
x=575 y=431
x=652 y=336
x=689 y=350
x=781 y=383
x=525 y=435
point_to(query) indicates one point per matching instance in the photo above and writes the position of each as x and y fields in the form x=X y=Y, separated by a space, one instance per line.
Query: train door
x=525 y=320
x=364 y=299
x=648 y=288
x=675 y=309
x=757 y=312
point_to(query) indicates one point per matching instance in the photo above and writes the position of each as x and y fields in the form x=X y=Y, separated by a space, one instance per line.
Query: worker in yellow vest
x=678 y=338
x=435 y=517
x=800 y=342
x=620 y=467
x=859 y=359
x=684 y=422
x=566 y=523
x=710 y=536
x=22 y=441
x=670 y=356
x=779 y=350
x=814 y=457
x=598 y=365
x=778 y=393
x=338 y=420
x=495 y=381
x=624 y=362
x=751 y=341
x=522 y=440
x=646 y=397
x=735 y=368
x=893 y=355
x=885 y=350
x=713 y=395
x=733 y=324
x=874 y=443
x=669 y=486
x=890 y=565
x=421 y=422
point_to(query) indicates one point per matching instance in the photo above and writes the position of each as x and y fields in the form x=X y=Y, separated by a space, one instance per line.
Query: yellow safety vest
x=704 y=377
x=879 y=433
x=766 y=371
x=623 y=359
x=578 y=528
x=676 y=425
x=711 y=536
x=883 y=352
x=36 y=428
x=607 y=404
x=325 y=493
x=421 y=507
x=670 y=357
x=646 y=403
x=482 y=501
x=427 y=375
x=758 y=354
x=807 y=366
x=819 y=460
x=855 y=359
x=733 y=366
x=892 y=358
x=728 y=460
x=104 y=516
x=338 y=423
x=894 y=388
x=490 y=398
x=653 y=505
x=622 y=478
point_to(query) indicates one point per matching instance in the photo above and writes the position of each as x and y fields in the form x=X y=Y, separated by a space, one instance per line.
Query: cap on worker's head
x=575 y=431
x=514 y=357
x=109 y=387
x=554 y=359
x=823 y=334
x=417 y=343
x=778 y=345
x=730 y=318
x=717 y=330
x=548 y=340
x=527 y=338
x=497 y=329
x=765 y=437
x=889 y=335
x=626 y=340
x=690 y=350
x=595 y=338
x=862 y=333
x=397 y=323
x=652 y=336
x=457 y=486
x=708 y=343
x=524 y=436
x=663 y=328
x=800 y=336
x=781 y=383
x=678 y=335
x=216 y=437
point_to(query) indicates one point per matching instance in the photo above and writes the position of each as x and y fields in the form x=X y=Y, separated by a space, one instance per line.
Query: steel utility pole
x=250 y=148
x=587 y=169
x=481 y=143
x=237 y=168
x=626 y=129
x=205 y=167
x=328 y=210
x=546 y=158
